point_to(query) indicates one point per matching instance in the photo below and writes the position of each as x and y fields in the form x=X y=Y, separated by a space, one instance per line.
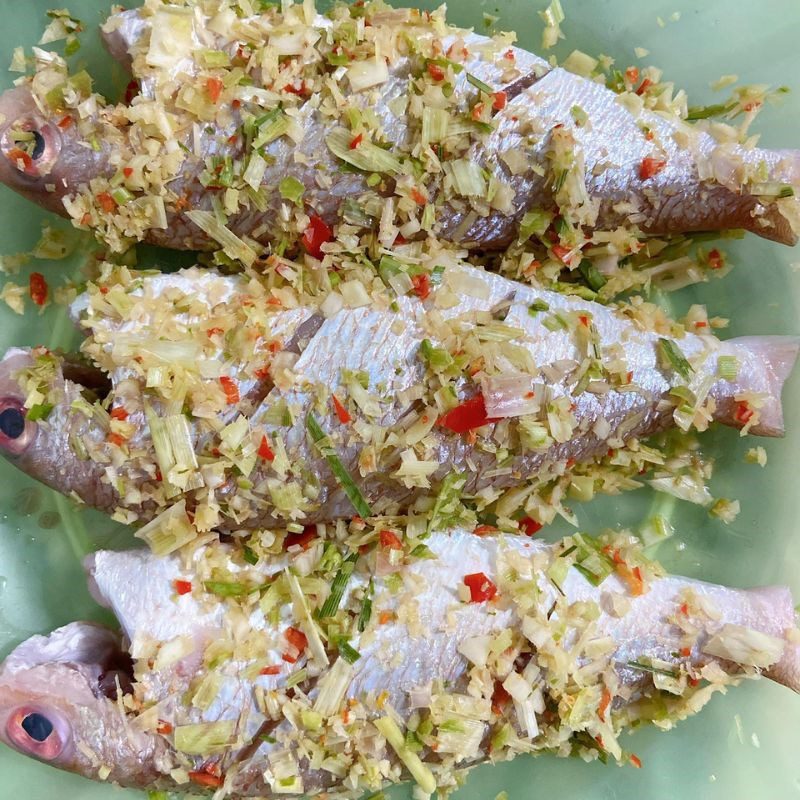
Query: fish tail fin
x=777 y=355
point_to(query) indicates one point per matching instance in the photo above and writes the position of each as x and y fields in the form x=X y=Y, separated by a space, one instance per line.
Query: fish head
x=18 y=434
x=50 y=161
x=59 y=704
x=48 y=448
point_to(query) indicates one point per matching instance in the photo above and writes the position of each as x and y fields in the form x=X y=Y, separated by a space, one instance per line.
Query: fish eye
x=39 y=145
x=36 y=733
x=31 y=146
x=16 y=433
x=37 y=726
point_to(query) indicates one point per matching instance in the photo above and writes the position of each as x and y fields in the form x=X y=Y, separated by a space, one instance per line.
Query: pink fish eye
x=32 y=146
x=34 y=733
x=16 y=432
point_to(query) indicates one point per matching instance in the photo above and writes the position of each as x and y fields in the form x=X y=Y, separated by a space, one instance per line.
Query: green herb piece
x=291 y=189
x=670 y=354
x=479 y=84
x=366 y=608
x=340 y=472
x=331 y=604
x=225 y=589
x=592 y=275
x=649 y=668
x=38 y=412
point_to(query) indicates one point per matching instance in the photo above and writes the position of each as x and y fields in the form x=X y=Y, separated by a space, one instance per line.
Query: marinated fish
x=259 y=415
x=274 y=127
x=297 y=684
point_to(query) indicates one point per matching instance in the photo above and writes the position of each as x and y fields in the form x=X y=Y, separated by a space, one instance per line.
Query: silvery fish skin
x=58 y=677
x=385 y=345
x=699 y=190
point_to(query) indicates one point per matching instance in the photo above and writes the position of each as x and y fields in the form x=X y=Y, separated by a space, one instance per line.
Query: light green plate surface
x=745 y=744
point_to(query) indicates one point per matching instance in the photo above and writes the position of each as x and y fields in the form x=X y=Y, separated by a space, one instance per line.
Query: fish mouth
x=31 y=145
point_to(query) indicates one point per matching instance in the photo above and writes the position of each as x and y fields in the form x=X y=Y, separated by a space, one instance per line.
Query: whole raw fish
x=539 y=649
x=489 y=379
x=253 y=117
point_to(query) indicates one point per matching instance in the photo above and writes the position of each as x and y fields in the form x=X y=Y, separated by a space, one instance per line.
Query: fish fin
x=778 y=354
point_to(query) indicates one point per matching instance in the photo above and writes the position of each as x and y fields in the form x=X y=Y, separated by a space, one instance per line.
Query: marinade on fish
x=278 y=122
x=256 y=415
x=488 y=646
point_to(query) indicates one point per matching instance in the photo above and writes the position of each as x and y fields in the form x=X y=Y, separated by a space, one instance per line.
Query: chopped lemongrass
x=174 y=451
x=331 y=604
x=253 y=175
x=169 y=531
x=745 y=646
x=447 y=507
x=772 y=189
x=553 y=16
x=467 y=177
x=231 y=244
x=670 y=355
x=291 y=189
x=333 y=686
x=728 y=367
x=214 y=58
x=394 y=736
x=296 y=677
x=340 y=472
x=365 y=74
x=270 y=127
x=207 y=691
x=535 y=222
x=204 y=738
x=437 y=358
x=435 y=122
x=366 y=156
x=303 y=613
x=227 y=589
x=121 y=195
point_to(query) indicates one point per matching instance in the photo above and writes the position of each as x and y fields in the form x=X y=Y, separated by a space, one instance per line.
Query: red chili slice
x=231 y=390
x=469 y=415
x=303 y=539
x=530 y=526
x=182 y=587
x=38 y=288
x=316 y=234
x=265 y=451
x=481 y=588
x=651 y=167
x=341 y=412
x=390 y=540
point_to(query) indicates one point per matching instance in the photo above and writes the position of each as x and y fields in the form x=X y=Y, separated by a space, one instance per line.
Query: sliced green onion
x=437 y=358
x=291 y=189
x=367 y=157
x=670 y=354
x=40 y=411
x=772 y=189
x=338 y=586
x=344 y=478
x=713 y=110
x=121 y=195
x=592 y=275
x=223 y=589
x=231 y=244
x=366 y=608
x=479 y=84
x=649 y=668
x=348 y=652
x=536 y=306
x=728 y=367
x=249 y=555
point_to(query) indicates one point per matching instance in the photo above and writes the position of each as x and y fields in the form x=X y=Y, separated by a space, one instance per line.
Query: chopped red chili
x=265 y=451
x=302 y=540
x=341 y=412
x=182 y=587
x=316 y=234
x=37 y=286
x=530 y=526
x=231 y=390
x=481 y=588
x=651 y=167
x=422 y=285
x=467 y=416
x=214 y=87
x=390 y=540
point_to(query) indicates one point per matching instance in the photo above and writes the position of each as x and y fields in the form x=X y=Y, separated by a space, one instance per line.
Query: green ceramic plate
x=745 y=744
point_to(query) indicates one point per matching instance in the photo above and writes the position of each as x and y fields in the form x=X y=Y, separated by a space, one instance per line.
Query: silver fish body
x=71 y=452
x=433 y=640
x=700 y=188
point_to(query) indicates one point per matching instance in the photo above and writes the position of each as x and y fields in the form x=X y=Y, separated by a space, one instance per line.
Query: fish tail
x=777 y=356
